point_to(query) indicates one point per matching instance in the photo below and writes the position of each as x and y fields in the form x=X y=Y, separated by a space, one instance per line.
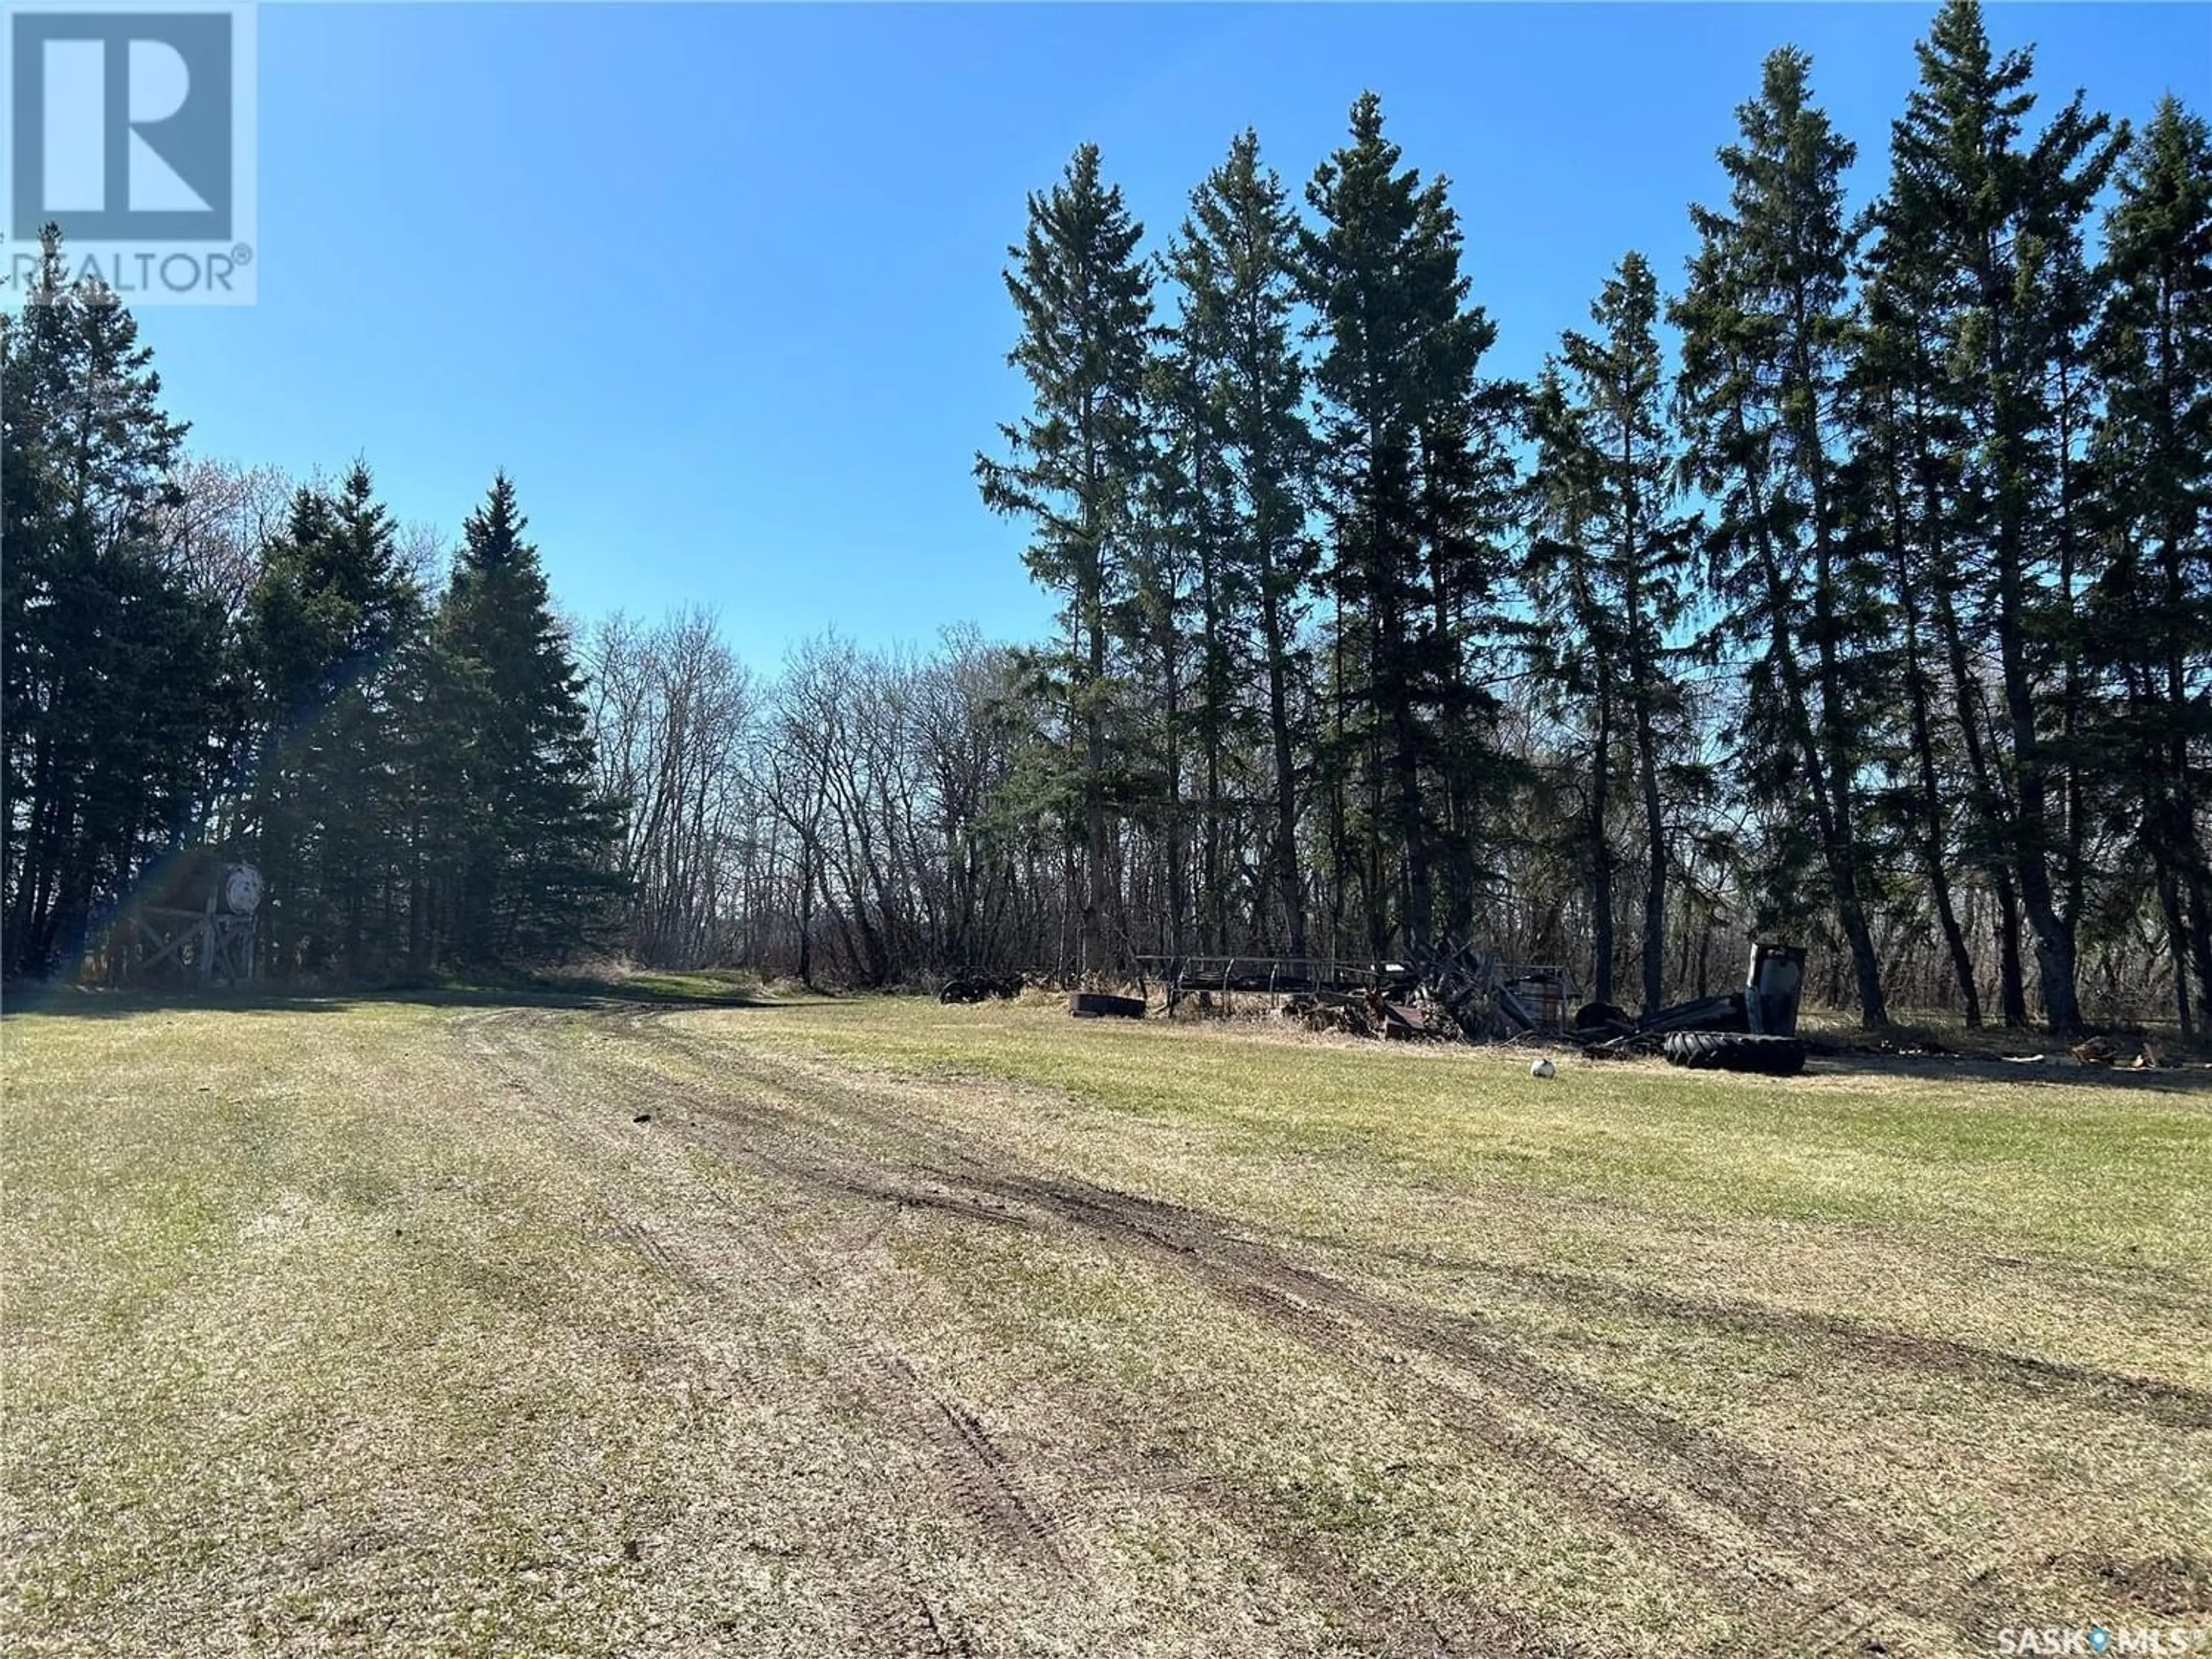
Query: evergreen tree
x=1410 y=493
x=1897 y=490
x=1575 y=648
x=1763 y=321
x=1989 y=219
x=111 y=677
x=1172 y=558
x=1905 y=410
x=1236 y=267
x=1467 y=513
x=1085 y=302
x=2150 y=612
x=529 y=841
x=1613 y=573
x=324 y=631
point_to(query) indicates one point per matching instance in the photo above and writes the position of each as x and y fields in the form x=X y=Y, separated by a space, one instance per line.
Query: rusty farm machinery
x=1457 y=990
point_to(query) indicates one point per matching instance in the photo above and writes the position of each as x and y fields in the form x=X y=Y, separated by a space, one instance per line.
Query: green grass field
x=650 y=1326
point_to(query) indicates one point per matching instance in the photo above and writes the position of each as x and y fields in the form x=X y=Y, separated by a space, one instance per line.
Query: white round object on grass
x=1541 y=1068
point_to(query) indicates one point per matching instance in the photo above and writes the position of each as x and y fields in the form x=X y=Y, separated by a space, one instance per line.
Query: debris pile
x=979 y=985
x=1456 y=989
x=2101 y=1050
x=1369 y=1014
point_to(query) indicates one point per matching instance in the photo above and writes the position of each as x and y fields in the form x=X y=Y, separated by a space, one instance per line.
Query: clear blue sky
x=720 y=286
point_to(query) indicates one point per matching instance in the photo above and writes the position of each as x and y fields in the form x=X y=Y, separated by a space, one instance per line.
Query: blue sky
x=719 y=286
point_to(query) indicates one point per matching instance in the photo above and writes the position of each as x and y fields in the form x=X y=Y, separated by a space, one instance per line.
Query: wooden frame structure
x=213 y=943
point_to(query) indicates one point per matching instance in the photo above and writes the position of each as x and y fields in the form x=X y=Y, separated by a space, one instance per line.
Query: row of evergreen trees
x=1892 y=592
x=407 y=765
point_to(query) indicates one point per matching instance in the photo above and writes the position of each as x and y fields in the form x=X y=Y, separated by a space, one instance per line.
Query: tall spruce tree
x=113 y=675
x=1763 y=321
x=1409 y=478
x=529 y=841
x=1180 y=660
x=1904 y=404
x=1575 y=648
x=1083 y=297
x=1234 y=265
x=1467 y=513
x=1897 y=490
x=1611 y=567
x=2150 y=610
x=324 y=631
x=1988 y=217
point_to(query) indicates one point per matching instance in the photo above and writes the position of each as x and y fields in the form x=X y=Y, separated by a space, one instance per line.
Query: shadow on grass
x=645 y=991
x=2016 y=1056
x=2052 y=1068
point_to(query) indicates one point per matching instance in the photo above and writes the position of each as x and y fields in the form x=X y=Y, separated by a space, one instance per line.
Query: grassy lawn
x=622 y=1324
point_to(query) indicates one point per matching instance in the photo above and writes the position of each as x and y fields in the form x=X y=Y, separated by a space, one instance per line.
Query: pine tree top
x=492 y=533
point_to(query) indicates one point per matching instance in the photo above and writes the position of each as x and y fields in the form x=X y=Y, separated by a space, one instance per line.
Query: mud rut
x=1806 y=1570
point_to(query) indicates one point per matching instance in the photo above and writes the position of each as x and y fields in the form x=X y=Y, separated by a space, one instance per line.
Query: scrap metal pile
x=1458 y=991
x=1452 y=991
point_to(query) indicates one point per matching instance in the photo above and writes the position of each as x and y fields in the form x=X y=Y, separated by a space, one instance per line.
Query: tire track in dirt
x=979 y=1481
x=2175 y=1405
x=1809 y=1568
x=1872 y=1570
x=2167 y=1403
x=749 y=1130
x=505 y=1042
x=941 y=1635
x=647 y=1243
x=1819 y=1574
x=897 y=1617
x=894 y=1616
x=985 y=1477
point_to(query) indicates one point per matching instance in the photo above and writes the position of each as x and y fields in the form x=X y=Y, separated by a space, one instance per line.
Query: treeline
x=201 y=658
x=1857 y=586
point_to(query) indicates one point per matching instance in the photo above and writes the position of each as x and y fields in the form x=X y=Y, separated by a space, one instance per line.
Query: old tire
x=1091 y=1005
x=1736 y=1051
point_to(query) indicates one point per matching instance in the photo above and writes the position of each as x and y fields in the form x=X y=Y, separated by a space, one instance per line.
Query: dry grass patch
x=894 y=1328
